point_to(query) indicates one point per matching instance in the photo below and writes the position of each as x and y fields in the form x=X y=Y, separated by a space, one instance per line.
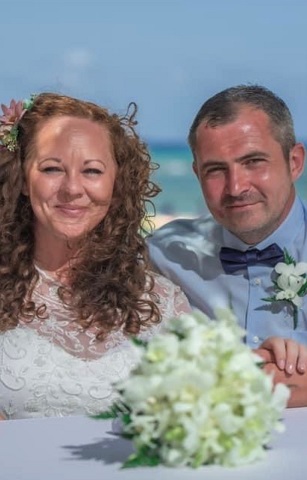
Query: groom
x=246 y=159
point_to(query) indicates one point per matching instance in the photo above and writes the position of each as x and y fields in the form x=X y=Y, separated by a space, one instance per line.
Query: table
x=80 y=448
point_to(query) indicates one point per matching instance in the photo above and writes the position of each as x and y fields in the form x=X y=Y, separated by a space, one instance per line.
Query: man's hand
x=297 y=382
x=287 y=354
x=287 y=360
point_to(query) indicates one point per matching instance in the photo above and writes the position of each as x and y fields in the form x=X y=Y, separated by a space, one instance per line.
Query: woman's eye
x=93 y=171
x=51 y=169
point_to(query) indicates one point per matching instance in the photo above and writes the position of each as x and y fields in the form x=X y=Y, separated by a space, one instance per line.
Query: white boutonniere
x=290 y=284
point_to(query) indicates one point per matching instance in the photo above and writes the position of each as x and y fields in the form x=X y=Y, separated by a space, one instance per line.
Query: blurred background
x=168 y=56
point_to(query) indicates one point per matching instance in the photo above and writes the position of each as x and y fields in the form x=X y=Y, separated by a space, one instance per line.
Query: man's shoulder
x=190 y=244
x=304 y=203
x=187 y=230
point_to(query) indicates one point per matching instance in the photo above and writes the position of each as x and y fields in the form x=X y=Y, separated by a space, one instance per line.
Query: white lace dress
x=51 y=367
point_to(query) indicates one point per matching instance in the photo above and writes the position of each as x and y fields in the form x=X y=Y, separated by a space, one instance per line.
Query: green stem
x=295 y=316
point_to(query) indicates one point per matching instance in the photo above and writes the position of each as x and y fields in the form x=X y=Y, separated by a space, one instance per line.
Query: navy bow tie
x=233 y=260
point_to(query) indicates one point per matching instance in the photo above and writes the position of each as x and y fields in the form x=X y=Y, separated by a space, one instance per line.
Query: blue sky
x=168 y=56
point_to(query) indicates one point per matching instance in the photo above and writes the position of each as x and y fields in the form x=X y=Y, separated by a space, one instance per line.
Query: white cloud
x=78 y=58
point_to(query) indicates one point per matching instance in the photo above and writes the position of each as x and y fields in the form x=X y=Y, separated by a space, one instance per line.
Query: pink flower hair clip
x=9 y=122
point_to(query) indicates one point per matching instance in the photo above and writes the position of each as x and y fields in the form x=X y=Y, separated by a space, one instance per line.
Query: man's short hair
x=224 y=107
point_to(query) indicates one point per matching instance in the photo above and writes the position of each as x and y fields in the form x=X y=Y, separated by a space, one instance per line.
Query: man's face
x=246 y=181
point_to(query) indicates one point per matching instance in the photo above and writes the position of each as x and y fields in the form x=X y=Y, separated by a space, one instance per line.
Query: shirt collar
x=283 y=235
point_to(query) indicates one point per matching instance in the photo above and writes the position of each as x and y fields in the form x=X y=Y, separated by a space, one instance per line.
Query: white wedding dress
x=52 y=367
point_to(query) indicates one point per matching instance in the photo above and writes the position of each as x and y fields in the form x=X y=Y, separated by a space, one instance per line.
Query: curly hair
x=110 y=285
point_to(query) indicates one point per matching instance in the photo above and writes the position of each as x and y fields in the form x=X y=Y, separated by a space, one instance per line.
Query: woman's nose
x=72 y=185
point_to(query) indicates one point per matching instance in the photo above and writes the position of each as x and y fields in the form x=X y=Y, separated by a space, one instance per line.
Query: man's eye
x=213 y=170
x=253 y=161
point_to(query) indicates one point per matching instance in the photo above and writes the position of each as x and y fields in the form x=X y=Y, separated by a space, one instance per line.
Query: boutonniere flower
x=197 y=396
x=290 y=284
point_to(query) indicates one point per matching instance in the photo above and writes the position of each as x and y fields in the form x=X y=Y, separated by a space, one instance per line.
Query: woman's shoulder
x=171 y=299
x=163 y=283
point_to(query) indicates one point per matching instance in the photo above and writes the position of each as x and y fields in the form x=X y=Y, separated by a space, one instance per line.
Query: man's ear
x=195 y=169
x=297 y=161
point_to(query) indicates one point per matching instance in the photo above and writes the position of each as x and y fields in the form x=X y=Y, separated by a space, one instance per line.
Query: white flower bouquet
x=198 y=396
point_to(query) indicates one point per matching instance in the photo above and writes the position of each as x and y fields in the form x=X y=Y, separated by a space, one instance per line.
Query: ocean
x=181 y=194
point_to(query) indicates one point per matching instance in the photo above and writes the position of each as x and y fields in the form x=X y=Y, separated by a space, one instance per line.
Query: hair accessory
x=9 y=122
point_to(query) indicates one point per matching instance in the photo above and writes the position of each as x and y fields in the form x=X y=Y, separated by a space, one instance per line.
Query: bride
x=74 y=277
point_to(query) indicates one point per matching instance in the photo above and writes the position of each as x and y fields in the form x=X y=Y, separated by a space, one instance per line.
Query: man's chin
x=251 y=234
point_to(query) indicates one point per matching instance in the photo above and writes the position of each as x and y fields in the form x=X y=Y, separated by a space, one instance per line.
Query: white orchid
x=290 y=281
x=207 y=402
x=291 y=284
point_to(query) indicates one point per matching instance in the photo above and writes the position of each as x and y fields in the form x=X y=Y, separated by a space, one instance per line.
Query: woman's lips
x=71 y=211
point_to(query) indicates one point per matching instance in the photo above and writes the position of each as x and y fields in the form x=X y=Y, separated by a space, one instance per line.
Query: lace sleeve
x=172 y=301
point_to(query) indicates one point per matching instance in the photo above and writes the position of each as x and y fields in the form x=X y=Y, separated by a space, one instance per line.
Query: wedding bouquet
x=198 y=396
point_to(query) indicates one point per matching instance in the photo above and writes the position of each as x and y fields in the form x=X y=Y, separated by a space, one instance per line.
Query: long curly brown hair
x=109 y=279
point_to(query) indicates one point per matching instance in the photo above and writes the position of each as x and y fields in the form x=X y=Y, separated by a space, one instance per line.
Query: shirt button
x=255 y=339
x=257 y=281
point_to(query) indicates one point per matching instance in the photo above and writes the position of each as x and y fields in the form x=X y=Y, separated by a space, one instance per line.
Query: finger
x=302 y=359
x=277 y=347
x=266 y=355
x=292 y=359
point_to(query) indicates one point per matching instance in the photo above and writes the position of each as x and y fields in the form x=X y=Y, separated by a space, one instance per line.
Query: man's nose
x=237 y=181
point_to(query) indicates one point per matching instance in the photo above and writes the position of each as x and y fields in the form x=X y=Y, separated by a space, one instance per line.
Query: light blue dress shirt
x=187 y=252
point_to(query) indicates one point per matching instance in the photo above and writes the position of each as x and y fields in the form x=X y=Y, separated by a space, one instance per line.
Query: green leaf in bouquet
x=108 y=415
x=138 y=342
x=144 y=457
x=116 y=410
x=126 y=418
x=128 y=436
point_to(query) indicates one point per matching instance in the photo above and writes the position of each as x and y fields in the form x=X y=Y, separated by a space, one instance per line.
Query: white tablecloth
x=79 y=448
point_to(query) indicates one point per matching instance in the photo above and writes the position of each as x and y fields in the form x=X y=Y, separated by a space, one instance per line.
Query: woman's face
x=70 y=178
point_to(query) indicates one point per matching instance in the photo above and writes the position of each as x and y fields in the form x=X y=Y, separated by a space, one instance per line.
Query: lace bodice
x=51 y=367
